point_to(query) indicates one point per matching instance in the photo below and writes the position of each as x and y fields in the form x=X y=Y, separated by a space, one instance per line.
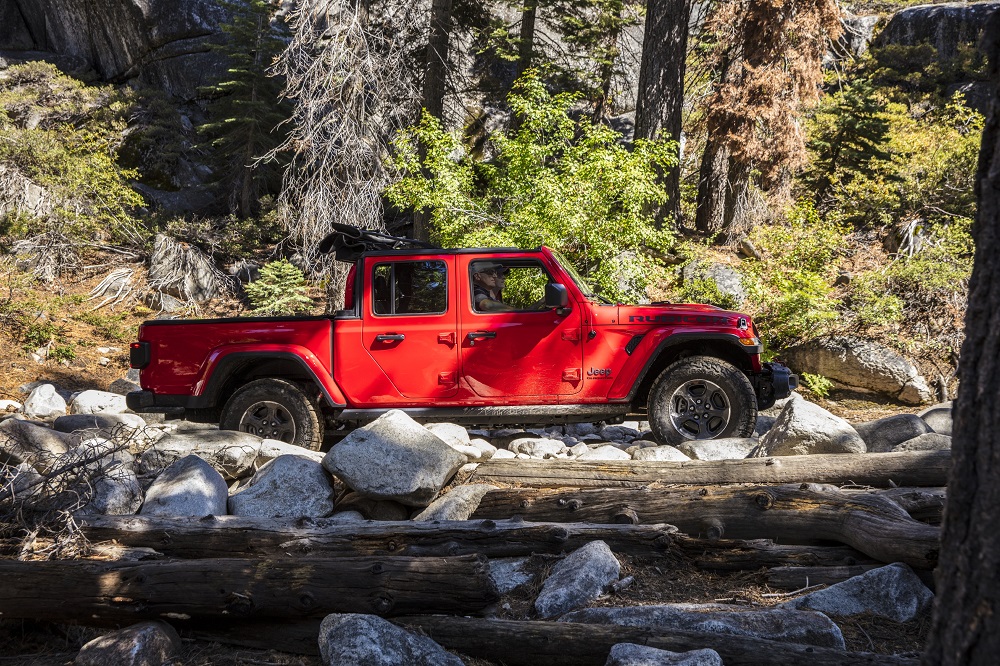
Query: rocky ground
x=395 y=469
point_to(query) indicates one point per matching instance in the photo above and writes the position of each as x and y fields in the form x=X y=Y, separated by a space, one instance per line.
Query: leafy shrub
x=818 y=385
x=280 y=291
x=61 y=353
x=64 y=136
x=552 y=180
x=705 y=290
x=789 y=290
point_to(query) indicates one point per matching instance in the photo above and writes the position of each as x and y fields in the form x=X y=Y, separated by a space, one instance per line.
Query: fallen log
x=915 y=468
x=923 y=504
x=751 y=555
x=528 y=643
x=877 y=527
x=796 y=578
x=103 y=593
x=221 y=536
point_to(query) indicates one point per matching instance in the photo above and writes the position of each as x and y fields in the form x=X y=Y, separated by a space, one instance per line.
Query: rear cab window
x=409 y=288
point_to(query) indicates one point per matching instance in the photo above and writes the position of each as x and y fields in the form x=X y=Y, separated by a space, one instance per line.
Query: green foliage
x=280 y=291
x=230 y=237
x=789 y=290
x=61 y=353
x=246 y=110
x=553 y=180
x=108 y=326
x=818 y=385
x=38 y=333
x=64 y=136
x=848 y=138
x=917 y=69
x=873 y=306
x=705 y=290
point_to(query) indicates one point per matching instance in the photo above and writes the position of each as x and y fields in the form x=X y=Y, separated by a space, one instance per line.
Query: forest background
x=665 y=147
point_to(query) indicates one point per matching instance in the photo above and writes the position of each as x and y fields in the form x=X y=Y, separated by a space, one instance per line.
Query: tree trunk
x=713 y=181
x=102 y=593
x=517 y=643
x=873 y=525
x=966 y=625
x=660 y=104
x=526 y=41
x=917 y=468
x=737 y=555
x=221 y=537
x=437 y=58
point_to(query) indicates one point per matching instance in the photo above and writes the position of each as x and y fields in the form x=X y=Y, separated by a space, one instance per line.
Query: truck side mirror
x=556 y=296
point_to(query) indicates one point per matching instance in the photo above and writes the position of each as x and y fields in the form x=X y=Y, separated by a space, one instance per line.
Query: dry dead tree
x=351 y=88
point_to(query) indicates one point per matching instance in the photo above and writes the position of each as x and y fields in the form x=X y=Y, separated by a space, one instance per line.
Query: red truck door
x=410 y=323
x=522 y=353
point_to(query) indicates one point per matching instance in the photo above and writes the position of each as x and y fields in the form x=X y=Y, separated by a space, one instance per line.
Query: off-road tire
x=287 y=410
x=684 y=383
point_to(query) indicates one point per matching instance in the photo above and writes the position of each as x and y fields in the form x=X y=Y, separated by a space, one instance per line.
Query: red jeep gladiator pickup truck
x=473 y=336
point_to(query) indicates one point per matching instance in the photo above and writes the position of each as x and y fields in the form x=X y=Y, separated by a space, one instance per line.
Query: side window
x=410 y=287
x=508 y=286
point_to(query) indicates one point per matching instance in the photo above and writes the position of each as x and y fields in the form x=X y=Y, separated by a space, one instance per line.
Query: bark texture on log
x=225 y=535
x=519 y=643
x=915 y=468
x=923 y=504
x=737 y=555
x=102 y=593
x=873 y=525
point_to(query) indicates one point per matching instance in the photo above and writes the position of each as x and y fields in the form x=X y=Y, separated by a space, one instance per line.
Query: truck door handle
x=476 y=335
x=390 y=337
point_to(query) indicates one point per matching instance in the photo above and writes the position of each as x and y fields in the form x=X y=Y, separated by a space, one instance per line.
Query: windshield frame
x=578 y=279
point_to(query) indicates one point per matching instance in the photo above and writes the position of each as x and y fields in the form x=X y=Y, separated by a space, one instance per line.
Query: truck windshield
x=585 y=288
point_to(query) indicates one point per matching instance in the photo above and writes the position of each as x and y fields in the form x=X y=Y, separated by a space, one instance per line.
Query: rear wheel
x=275 y=409
x=701 y=397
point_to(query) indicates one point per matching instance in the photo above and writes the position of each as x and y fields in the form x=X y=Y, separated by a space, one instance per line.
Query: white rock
x=537 y=448
x=44 y=402
x=893 y=592
x=502 y=454
x=233 y=454
x=607 y=452
x=803 y=428
x=486 y=450
x=510 y=573
x=727 y=448
x=24 y=441
x=394 y=458
x=578 y=579
x=660 y=454
x=632 y=654
x=452 y=434
x=188 y=487
x=98 y=402
x=578 y=450
x=272 y=448
x=460 y=503
x=286 y=487
x=368 y=640
x=8 y=406
x=938 y=417
x=143 y=644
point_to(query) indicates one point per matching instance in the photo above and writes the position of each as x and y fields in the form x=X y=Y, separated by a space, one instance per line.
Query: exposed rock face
x=882 y=435
x=725 y=278
x=286 y=487
x=138 y=645
x=631 y=654
x=459 y=504
x=858 y=33
x=861 y=364
x=188 y=487
x=164 y=43
x=727 y=448
x=943 y=26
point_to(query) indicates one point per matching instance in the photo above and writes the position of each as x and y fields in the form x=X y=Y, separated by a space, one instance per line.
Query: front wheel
x=701 y=397
x=275 y=409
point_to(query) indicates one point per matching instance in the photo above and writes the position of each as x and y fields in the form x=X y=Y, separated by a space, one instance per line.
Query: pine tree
x=851 y=135
x=245 y=113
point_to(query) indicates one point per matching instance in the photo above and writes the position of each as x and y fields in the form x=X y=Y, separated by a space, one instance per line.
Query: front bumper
x=775 y=382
